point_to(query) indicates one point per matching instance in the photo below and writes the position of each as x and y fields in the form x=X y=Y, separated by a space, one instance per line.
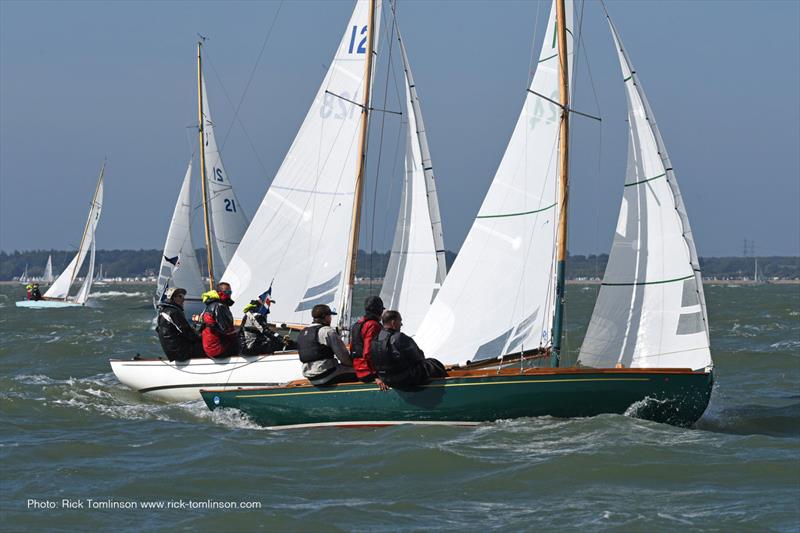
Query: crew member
x=220 y=338
x=178 y=338
x=319 y=346
x=397 y=358
x=256 y=335
x=35 y=293
x=362 y=333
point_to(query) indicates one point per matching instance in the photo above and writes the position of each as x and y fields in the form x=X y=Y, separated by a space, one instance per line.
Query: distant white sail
x=24 y=278
x=412 y=276
x=86 y=288
x=228 y=219
x=179 y=267
x=498 y=297
x=60 y=287
x=650 y=312
x=48 y=270
x=299 y=235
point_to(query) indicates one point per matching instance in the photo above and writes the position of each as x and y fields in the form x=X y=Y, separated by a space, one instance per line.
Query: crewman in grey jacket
x=326 y=360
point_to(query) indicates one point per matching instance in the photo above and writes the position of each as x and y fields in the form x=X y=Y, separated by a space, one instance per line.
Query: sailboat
x=308 y=198
x=24 y=278
x=647 y=347
x=99 y=278
x=58 y=293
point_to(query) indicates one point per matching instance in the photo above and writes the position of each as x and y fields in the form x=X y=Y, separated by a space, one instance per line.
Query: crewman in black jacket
x=398 y=360
x=178 y=338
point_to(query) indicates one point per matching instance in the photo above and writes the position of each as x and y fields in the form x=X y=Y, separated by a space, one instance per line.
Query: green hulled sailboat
x=647 y=347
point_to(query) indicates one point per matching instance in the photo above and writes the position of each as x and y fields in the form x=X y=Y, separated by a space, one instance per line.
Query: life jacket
x=309 y=348
x=357 y=338
x=388 y=360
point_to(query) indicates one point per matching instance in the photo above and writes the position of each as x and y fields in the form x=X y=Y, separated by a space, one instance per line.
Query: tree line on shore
x=144 y=263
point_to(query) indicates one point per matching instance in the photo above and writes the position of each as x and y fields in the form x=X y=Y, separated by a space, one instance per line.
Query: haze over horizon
x=80 y=81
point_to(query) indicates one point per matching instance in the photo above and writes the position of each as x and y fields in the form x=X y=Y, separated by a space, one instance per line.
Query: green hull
x=677 y=398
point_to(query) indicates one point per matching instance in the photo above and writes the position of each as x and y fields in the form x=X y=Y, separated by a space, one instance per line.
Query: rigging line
x=380 y=147
x=236 y=118
x=533 y=45
x=252 y=72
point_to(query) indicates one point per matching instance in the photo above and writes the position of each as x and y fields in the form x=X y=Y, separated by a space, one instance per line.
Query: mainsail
x=228 y=219
x=498 y=297
x=179 y=267
x=651 y=309
x=416 y=267
x=60 y=287
x=298 y=239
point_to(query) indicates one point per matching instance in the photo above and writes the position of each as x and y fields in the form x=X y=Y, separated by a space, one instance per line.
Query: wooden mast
x=203 y=184
x=563 y=192
x=355 y=223
x=85 y=228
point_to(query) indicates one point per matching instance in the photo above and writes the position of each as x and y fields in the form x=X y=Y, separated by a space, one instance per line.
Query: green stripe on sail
x=546 y=58
x=647 y=282
x=626 y=79
x=644 y=181
x=518 y=214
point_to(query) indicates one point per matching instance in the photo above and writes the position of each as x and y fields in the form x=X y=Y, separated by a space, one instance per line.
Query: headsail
x=179 y=267
x=86 y=287
x=651 y=309
x=498 y=296
x=228 y=220
x=60 y=287
x=416 y=267
x=299 y=235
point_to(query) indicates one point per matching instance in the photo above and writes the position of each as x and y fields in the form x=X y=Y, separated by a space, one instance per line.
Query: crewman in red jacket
x=362 y=333
x=220 y=337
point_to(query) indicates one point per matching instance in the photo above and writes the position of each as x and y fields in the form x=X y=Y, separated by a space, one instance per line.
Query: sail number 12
x=361 y=45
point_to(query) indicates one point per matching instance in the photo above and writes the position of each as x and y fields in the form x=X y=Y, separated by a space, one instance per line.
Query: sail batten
x=651 y=308
x=498 y=297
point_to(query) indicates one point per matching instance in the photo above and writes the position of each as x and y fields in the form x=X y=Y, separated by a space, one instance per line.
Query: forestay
x=60 y=287
x=179 y=267
x=498 y=297
x=414 y=273
x=650 y=312
x=228 y=220
x=299 y=235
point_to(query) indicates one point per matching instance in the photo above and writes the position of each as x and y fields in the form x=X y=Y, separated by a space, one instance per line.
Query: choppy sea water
x=71 y=432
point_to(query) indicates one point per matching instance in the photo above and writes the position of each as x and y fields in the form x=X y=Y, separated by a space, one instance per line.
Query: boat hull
x=676 y=397
x=46 y=304
x=180 y=381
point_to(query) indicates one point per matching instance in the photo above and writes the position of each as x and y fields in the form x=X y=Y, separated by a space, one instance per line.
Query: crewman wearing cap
x=178 y=339
x=319 y=347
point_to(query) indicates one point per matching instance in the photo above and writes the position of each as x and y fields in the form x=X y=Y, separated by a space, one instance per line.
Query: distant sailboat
x=58 y=293
x=48 y=271
x=224 y=219
x=24 y=278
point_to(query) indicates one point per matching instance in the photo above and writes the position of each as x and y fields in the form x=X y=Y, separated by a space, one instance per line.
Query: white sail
x=412 y=276
x=498 y=297
x=228 y=219
x=650 y=312
x=86 y=287
x=60 y=287
x=48 y=270
x=179 y=267
x=24 y=278
x=298 y=239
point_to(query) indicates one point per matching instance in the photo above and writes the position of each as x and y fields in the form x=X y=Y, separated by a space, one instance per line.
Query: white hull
x=180 y=381
x=46 y=304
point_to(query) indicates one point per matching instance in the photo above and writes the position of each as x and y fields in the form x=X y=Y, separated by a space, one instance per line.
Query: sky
x=84 y=81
